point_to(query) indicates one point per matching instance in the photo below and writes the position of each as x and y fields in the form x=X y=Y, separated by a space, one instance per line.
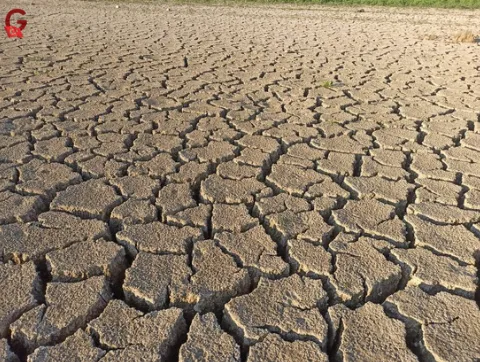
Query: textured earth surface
x=207 y=183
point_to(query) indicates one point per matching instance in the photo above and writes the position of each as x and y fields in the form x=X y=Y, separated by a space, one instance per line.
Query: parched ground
x=256 y=184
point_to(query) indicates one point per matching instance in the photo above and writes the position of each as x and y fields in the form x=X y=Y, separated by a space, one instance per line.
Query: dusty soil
x=201 y=183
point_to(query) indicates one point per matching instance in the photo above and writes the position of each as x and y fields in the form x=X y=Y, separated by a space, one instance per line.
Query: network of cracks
x=193 y=189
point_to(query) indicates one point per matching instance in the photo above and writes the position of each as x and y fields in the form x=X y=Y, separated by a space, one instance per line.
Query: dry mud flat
x=178 y=184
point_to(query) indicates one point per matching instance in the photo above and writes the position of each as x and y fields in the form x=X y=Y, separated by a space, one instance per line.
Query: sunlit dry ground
x=252 y=184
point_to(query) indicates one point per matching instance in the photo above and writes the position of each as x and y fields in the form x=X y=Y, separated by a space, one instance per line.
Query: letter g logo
x=13 y=31
x=22 y=23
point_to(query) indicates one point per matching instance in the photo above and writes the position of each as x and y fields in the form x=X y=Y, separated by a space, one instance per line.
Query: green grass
x=327 y=84
x=468 y=4
x=461 y=4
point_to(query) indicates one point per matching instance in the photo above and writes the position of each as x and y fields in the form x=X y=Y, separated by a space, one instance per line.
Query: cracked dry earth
x=177 y=184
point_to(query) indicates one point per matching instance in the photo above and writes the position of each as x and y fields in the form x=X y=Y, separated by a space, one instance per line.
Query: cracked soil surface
x=251 y=184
